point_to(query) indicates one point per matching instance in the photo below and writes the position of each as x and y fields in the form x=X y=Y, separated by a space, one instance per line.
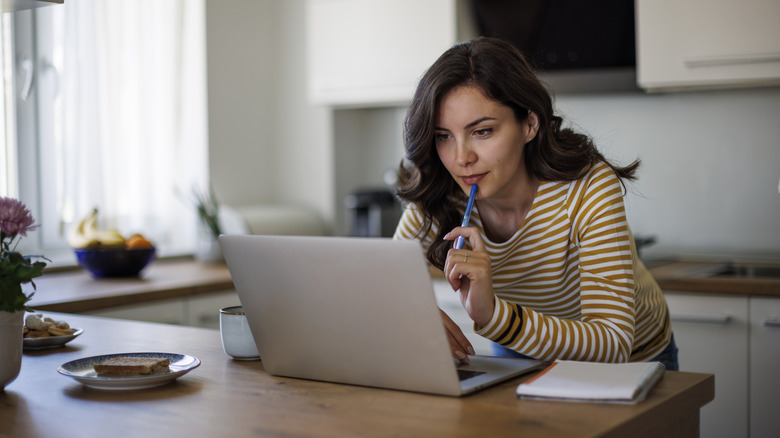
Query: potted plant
x=15 y=270
x=207 y=248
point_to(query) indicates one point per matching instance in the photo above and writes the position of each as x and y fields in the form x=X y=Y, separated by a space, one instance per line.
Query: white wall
x=267 y=144
x=241 y=59
x=711 y=160
x=711 y=165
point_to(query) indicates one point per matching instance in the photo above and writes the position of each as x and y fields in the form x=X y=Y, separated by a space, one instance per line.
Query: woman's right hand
x=469 y=272
x=459 y=344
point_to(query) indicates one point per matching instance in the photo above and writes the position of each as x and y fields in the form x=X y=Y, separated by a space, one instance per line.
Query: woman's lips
x=472 y=179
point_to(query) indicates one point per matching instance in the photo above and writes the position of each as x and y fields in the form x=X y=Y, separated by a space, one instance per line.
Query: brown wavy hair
x=503 y=74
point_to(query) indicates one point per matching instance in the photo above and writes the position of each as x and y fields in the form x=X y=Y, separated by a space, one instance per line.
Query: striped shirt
x=568 y=284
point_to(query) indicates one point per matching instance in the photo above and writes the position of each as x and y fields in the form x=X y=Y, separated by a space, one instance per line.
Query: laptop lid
x=349 y=310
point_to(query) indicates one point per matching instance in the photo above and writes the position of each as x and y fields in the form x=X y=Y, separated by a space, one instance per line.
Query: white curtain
x=6 y=96
x=130 y=118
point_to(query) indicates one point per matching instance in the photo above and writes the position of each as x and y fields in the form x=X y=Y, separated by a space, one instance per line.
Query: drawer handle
x=732 y=60
x=703 y=319
x=772 y=322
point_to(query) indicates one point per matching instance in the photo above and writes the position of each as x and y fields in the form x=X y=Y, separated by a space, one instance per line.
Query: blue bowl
x=118 y=262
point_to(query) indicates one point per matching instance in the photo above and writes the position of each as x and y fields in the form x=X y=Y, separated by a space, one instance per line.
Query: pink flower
x=15 y=218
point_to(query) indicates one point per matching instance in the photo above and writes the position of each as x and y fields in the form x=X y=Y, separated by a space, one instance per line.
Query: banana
x=77 y=235
x=110 y=237
x=86 y=233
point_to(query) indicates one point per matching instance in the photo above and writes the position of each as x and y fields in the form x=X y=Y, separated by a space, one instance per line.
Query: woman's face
x=479 y=141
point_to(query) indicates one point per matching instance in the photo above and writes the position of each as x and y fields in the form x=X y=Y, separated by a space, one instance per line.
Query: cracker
x=56 y=331
x=38 y=334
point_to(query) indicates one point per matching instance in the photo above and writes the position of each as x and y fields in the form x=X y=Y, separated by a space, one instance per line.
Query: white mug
x=237 y=339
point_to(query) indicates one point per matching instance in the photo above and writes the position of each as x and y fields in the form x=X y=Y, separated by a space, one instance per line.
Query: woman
x=550 y=270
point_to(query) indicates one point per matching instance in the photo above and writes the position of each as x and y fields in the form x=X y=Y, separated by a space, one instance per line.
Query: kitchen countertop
x=75 y=291
x=697 y=276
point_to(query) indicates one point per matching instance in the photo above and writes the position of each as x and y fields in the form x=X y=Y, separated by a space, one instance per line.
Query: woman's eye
x=441 y=138
x=483 y=132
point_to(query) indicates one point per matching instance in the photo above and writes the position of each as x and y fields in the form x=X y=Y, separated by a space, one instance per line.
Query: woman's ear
x=532 y=123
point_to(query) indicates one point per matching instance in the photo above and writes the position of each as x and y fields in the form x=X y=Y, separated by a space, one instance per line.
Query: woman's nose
x=464 y=155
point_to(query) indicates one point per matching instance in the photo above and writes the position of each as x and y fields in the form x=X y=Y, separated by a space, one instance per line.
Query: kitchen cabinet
x=195 y=310
x=737 y=338
x=203 y=310
x=712 y=335
x=693 y=44
x=20 y=5
x=373 y=53
x=168 y=311
x=764 y=360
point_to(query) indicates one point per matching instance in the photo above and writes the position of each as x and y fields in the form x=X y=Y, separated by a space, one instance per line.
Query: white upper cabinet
x=691 y=44
x=372 y=53
x=21 y=5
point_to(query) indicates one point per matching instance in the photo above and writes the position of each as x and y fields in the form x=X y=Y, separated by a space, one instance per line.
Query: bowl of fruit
x=107 y=253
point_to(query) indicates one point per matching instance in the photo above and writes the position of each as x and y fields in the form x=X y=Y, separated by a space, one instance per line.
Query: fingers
x=459 y=345
x=457 y=351
x=471 y=235
x=456 y=267
x=450 y=266
x=469 y=272
x=463 y=266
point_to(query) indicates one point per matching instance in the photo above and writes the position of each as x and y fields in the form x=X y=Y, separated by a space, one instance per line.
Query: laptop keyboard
x=467 y=374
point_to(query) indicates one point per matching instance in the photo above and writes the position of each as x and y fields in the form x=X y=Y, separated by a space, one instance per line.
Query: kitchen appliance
x=373 y=212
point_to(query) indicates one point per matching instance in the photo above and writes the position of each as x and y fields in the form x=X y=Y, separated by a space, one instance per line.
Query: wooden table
x=223 y=397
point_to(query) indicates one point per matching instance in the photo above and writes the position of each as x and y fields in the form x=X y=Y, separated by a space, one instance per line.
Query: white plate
x=82 y=371
x=50 y=342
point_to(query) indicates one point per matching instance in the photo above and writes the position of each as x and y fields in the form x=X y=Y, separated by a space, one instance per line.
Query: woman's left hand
x=469 y=271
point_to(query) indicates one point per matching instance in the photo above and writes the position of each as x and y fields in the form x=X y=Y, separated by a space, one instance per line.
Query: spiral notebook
x=593 y=382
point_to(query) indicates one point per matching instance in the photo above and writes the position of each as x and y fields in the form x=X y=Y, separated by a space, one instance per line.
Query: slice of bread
x=123 y=366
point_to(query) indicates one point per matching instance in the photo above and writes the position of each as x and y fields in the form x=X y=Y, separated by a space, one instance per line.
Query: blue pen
x=467 y=216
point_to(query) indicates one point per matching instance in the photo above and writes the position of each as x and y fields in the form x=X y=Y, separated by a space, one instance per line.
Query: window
x=7 y=153
x=110 y=113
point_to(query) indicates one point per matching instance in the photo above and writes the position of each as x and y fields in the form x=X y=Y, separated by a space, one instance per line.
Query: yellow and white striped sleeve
x=604 y=329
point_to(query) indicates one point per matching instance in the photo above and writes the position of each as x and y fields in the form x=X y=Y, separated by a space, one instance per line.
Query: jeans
x=668 y=356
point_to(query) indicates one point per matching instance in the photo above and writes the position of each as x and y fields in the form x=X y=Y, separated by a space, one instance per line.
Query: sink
x=746 y=271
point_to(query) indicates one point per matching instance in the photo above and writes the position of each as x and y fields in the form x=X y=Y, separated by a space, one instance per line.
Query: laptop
x=351 y=310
